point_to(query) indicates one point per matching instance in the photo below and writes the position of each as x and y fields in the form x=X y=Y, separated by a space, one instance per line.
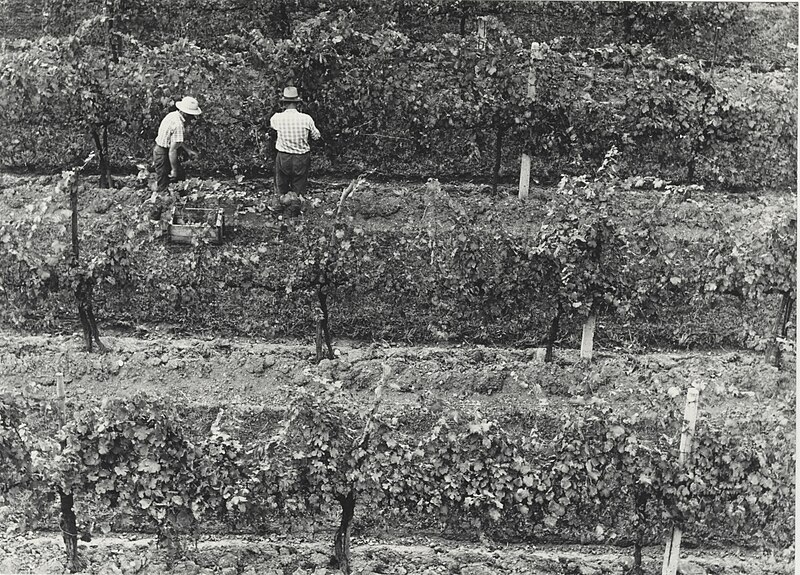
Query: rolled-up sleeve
x=313 y=130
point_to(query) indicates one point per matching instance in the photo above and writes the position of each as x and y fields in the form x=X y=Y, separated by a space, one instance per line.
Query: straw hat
x=189 y=106
x=290 y=95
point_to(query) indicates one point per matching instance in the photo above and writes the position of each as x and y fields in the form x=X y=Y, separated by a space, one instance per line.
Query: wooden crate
x=205 y=224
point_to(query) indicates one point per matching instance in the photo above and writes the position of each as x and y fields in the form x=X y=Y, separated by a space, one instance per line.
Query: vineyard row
x=385 y=100
x=604 y=475
x=446 y=276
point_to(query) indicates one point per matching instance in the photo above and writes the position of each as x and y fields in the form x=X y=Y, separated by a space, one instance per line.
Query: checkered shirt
x=170 y=130
x=293 y=129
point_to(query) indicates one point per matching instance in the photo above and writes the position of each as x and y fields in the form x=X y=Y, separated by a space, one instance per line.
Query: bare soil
x=224 y=371
x=42 y=553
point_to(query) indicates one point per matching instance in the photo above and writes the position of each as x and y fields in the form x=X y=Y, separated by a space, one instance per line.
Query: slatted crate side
x=187 y=232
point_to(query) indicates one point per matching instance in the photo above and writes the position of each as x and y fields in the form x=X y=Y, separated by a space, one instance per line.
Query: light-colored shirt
x=293 y=129
x=170 y=130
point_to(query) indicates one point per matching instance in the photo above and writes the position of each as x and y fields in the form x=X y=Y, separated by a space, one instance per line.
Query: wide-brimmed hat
x=290 y=95
x=189 y=106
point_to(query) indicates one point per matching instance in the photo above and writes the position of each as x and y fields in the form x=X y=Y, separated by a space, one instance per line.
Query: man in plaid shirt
x=170 y=144
x=293 y=152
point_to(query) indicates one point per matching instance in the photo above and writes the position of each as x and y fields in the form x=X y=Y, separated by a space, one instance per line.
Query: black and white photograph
x=400 y=287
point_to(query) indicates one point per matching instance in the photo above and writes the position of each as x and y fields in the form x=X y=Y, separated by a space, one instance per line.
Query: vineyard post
x=61 y=396
x=525 y=162
x=68 y=523
x=587 y=337
x=481 y=32
x=673 y=548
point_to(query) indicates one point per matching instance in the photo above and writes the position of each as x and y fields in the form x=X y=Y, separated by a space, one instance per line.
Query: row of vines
x=146 y=464
x=384 y=99
x=454 y=274
x=728 y=31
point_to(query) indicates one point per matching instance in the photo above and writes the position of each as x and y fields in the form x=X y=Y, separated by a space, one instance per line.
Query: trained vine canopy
x=390 y=99
x=461 y=272
x=141 y=461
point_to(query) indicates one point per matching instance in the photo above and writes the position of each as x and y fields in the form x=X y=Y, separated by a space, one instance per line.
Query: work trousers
x=163 y=168
x=291 y=172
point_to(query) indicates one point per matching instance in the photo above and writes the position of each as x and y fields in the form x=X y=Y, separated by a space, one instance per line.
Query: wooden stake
x=61 y=396
x=673 y=548
x=587 y=339
x=481 y=32
x=525 y=162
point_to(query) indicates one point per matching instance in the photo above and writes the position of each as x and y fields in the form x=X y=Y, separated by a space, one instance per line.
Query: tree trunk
x=102 y=155
x=84 y=286
x=83 y=295
x=498 y=152
x=69 y=530
x=552 y=334
x=773 y=350
x=323 y=328
x=462 y=27
x=587 y=337
x=105 y=167
x=641 y=523
x=84 y=319
x=341 y=542
x=637 y=559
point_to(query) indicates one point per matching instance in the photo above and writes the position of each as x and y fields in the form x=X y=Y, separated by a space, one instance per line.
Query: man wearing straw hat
x=293 y=154
x=170 y=145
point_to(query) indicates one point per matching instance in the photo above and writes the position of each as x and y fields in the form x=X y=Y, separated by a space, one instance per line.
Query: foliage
x=386 y=98
x=317 y=456
x=14 y=453
x=469 y=273
x=764 y=264
x=739 y=477
x=725 y=33
x=133 y=459
x=605 y=474
x=579 y=234
x=28 y=274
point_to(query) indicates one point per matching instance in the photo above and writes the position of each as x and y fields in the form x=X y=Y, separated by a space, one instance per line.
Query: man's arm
x=189 y=150
x=174 y=147
x=175 y=155
x=272 y=140
x=313 y=131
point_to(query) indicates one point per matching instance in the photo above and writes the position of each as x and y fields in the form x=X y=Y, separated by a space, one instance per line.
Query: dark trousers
x=291 y=172
x=163 y=168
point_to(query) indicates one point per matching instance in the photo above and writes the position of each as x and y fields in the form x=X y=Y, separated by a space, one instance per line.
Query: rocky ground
x=245 y=371
x=43 y=553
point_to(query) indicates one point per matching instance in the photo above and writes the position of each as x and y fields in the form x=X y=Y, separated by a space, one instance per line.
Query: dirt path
x=42 y=553
x=214 y=371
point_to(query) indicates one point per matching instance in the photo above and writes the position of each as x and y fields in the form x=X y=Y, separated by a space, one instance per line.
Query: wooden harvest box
x=186 y=224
